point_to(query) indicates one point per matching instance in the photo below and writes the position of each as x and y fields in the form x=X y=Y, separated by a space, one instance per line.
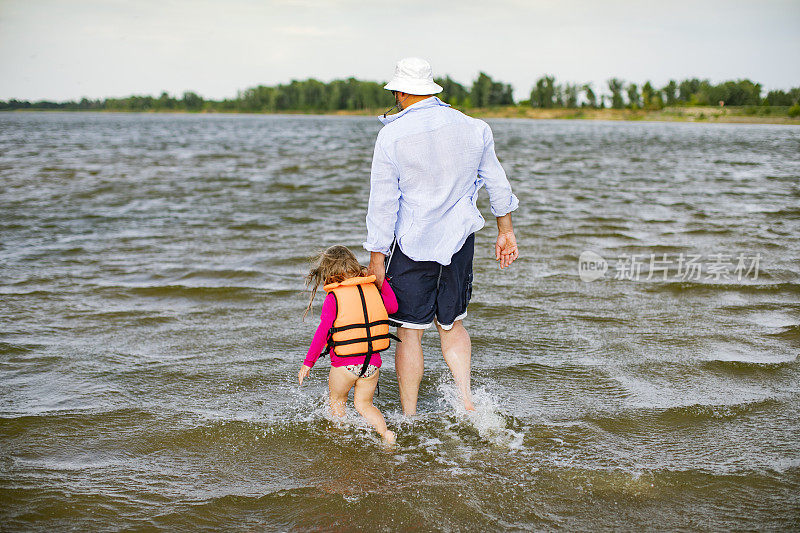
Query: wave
x=282 y=186
x=204 y=293
x=600 y=319
x=607 y=220
x=597 y=234
x=9 y=291
x=19 y=423
x=222 y=273
x=700 y=412
x=11 y=348
x=546 y=368
x=685 y=287
x=706 y=231
x=652 y=248
x=786 y=213
x=791 y=333
x=746 y=367
x=737 y=163
x=640 y=419
x=126 y=317
x=247 y=226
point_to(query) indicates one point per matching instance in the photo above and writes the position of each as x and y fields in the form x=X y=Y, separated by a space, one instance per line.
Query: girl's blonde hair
x=335 y=264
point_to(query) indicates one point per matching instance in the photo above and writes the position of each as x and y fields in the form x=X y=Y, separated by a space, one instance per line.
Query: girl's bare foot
x=389 y=437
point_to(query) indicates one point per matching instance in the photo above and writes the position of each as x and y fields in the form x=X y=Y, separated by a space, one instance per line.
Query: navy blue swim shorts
x=427 y=290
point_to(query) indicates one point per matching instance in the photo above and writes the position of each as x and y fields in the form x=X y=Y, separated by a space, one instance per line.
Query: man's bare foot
x=389 y=437
x=467 y=398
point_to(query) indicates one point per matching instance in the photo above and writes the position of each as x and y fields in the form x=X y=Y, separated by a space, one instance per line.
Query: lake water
x=151 y=297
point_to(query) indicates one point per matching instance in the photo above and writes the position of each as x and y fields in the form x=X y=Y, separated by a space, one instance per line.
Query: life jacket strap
x=364 y=339
x=365 y=365
x=328 y=345
x=361 y=325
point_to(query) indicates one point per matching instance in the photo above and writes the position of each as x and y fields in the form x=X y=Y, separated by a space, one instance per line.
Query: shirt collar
x=433 y=101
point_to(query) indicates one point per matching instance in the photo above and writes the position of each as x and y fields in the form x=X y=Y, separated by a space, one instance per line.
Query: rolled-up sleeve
x=384 y=200
x=501 y=199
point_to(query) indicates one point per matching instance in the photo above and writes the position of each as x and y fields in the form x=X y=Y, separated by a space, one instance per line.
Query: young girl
x=349 y=299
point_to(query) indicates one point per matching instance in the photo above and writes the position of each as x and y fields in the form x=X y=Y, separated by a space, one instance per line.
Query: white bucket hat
x=413 y=75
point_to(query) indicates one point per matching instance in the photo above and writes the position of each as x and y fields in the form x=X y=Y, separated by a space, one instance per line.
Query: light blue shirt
x=430 y=161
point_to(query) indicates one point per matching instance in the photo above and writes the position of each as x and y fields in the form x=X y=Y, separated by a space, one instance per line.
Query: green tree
x=571 y=95
x=192 y=101
x=486 y=92
x=743 y=92
x=257 y=99
x=670 y=91
x=543 y=93
x=453 y=92
x=481 y=89
x=735 y=93
x=165 y=101
x=591 y=98
x=647 y=93
x=783 y=98
x=501 y=94
x=615 y=86
x=634 y=100
x=651 y=98
x=687 y=89
x=778 y=98
x=559 y=95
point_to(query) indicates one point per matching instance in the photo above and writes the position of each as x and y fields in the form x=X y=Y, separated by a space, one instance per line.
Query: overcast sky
x=67 y=49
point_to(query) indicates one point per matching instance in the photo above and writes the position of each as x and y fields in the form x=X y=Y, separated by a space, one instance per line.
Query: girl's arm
x=389 y=298
x=326 y=319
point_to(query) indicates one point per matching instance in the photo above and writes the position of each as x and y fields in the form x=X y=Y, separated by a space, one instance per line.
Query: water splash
x=488 y=417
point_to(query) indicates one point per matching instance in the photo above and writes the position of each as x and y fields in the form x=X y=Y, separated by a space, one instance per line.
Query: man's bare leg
x=409 y=365
x=457 y=351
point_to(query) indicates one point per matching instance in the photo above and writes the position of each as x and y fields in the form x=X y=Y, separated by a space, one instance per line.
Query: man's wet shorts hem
x=411 y=325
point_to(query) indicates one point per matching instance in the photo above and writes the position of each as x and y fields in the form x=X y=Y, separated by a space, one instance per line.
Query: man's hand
x=505 y=249
x=377 y=266
x=303 y=374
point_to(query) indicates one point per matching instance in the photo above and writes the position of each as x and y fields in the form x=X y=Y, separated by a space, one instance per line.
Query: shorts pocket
x=468 y=290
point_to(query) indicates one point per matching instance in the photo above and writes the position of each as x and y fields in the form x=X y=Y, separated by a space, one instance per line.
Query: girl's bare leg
x=340 y=381
x=365 y=389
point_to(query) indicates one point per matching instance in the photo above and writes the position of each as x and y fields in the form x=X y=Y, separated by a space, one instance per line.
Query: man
x=429 y=162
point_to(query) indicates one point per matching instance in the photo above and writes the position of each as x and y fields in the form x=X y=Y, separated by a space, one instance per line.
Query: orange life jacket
x=361 y=327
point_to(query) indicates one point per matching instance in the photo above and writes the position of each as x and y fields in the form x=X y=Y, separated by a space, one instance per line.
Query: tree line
x=689 y=92
x=351 y=94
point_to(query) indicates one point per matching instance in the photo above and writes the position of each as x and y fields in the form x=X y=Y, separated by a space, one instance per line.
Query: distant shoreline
x=727 y=115
x=706 y=115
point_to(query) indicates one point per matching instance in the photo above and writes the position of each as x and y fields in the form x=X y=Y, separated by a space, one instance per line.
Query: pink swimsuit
x=326 y=319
